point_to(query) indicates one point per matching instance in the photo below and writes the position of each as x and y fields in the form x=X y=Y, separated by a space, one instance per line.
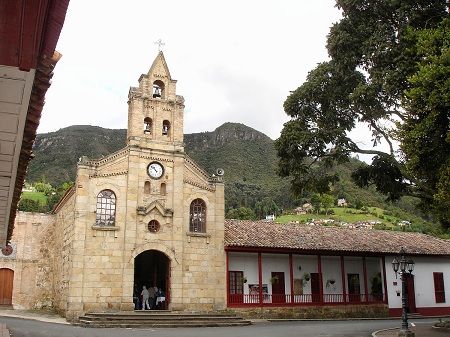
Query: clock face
x=155 y=170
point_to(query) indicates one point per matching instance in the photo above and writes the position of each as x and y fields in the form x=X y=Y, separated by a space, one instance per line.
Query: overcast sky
x=235 y=61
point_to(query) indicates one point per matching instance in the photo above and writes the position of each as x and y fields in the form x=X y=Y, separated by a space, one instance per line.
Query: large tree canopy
x=389 y=69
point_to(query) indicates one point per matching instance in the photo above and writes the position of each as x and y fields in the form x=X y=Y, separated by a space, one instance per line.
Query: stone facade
x=32 y=261
x=94 y=265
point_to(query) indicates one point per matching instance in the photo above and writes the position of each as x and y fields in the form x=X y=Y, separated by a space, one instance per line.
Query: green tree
x=266 y=207
x=44 y=188
x=328 y=202
x=56 y=196
x=30 y=205
x=382 y=56
x=316 y=202
x=241 y=213
x=424 y=135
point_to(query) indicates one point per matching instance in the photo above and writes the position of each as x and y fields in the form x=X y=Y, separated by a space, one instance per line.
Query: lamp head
x=410 y=265
x=395 y=264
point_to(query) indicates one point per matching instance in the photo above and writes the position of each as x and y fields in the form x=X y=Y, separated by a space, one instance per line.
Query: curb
x=374 y=334
x=346 y=319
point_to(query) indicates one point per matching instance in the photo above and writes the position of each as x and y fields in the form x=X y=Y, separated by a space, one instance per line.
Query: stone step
x=160 y=319
x=160 y=312
x=174 y=324
x=157 y=318
x=157 y=315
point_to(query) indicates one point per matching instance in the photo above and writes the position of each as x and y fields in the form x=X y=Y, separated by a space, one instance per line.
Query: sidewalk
x=421 y=330
x=37 y=315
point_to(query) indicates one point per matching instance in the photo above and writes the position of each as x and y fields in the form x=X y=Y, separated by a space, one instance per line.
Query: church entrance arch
x=151 y=269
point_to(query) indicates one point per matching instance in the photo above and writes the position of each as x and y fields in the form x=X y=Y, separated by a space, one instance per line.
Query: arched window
x=148 y=125
x=166 y=127
x=106 y=208
x=197 y=216
x=162 y=190
x=158 y=89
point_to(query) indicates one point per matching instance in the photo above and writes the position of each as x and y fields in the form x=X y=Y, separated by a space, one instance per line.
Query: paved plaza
x=40 y=325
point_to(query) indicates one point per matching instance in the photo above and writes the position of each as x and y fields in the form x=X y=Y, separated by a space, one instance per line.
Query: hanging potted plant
x=306 y=277
x=331 y=281
x=273 y=279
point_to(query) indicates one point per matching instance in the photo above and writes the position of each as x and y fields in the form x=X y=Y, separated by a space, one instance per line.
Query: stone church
x=148 y=215
x=144 y=215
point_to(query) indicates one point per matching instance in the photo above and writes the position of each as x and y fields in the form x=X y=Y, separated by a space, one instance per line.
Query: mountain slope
x=56 y=153
x=249 y=160
x=247 y=156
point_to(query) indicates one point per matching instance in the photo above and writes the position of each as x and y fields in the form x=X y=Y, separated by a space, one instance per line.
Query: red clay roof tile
x=263 y=234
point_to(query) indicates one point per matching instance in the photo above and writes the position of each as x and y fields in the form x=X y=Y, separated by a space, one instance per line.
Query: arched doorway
x=151 y=269
x=6 y=286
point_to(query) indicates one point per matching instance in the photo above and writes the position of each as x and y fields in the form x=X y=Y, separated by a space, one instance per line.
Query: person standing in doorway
x=145 y=296
x=152 y=294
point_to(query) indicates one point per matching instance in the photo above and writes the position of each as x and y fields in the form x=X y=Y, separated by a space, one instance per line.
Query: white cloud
x=235 y=61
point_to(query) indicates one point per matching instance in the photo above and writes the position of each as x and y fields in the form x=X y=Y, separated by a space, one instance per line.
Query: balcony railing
x=306 y=299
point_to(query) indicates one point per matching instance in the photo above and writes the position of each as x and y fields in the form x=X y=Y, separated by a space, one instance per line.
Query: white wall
x=276 y=263
x=331 y=269
x=423 y=281
x=308 y=264
x=301 y=264
x=246 y=262
x=354 y=265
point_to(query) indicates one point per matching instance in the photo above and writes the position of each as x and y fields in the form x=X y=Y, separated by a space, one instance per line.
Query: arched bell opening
x=148 y=125
x=152 y=269
x=166 y=128
x=158 y=89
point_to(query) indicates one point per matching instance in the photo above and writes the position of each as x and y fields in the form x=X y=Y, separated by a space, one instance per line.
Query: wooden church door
x=6 y=286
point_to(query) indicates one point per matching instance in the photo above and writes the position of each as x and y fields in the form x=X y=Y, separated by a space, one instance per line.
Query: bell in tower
x=156 y=91
x=155 y=111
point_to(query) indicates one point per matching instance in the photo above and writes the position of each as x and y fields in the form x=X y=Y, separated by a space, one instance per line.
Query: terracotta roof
x=262 y=234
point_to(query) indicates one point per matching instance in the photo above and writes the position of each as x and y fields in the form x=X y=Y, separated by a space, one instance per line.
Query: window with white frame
x=106 y=208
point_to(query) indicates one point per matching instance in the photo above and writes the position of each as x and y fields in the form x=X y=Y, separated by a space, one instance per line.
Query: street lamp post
x=402 y=267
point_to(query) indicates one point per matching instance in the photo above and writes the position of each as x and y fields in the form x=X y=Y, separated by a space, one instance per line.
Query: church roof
x=268 y=235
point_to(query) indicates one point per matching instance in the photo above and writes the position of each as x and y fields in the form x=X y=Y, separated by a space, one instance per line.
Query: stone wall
x=33 y=260
x=63 y=239
x=316 y=312
x=204 y=272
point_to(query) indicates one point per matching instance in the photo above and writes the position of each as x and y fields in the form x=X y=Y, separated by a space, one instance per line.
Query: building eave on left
x=29 y=31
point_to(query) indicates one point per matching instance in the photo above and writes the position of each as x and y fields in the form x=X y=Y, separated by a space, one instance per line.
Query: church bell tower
x=155 y=111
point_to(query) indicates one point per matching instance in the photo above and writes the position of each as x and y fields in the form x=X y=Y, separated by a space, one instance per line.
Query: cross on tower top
x=160 y=43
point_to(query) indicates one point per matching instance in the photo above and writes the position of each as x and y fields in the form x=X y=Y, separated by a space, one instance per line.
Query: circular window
x=153 y=226
x=7 y=250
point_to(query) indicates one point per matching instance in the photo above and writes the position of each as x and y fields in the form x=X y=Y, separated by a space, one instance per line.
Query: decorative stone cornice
x=165 y=212
x=85 y=161
x=111 y=174
x=156 y=158
x=199 y=185
x=193 y=165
